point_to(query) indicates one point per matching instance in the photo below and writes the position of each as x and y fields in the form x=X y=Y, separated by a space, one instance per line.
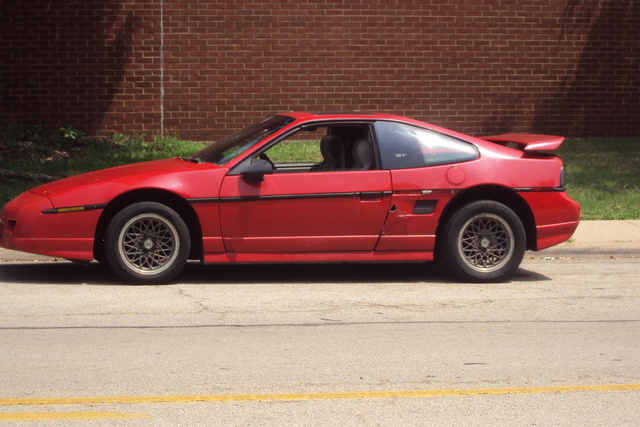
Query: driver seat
x=332 y=150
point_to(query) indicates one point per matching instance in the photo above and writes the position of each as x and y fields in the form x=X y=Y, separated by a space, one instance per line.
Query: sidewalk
x=614 y=236
x=601 y=237
x=606 y=233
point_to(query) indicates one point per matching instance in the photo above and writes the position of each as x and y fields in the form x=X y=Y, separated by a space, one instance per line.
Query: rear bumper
x=556 y=217
x=553 y=234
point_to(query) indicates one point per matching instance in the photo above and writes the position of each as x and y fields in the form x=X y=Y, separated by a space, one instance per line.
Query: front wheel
x=147 y=243
x=483 y=241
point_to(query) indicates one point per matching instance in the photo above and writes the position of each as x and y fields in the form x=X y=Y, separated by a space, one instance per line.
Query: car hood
x=156 y=174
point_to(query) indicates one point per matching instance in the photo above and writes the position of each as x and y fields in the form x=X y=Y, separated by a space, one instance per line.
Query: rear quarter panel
x=535 y=178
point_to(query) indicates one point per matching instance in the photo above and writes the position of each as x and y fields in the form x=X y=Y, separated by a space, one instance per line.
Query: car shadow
x=57 y=273
x=68 y=273
x=313 y=273
x=524 y=275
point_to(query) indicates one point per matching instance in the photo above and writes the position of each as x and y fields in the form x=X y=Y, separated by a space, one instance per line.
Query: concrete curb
x=611 y=237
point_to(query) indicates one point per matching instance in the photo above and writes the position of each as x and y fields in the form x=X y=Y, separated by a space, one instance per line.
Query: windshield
x=230 y=147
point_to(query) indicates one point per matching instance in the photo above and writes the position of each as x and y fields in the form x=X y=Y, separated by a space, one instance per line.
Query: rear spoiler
x=527 y=141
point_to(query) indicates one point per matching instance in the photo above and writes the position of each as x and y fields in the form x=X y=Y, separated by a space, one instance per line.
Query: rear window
x=404 y=146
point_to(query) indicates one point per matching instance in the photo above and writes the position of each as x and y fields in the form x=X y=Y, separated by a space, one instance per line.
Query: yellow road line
x=67 y=416
x=313 y=396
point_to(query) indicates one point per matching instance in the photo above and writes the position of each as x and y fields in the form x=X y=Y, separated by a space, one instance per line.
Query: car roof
x=329 y=115
x=303 y=116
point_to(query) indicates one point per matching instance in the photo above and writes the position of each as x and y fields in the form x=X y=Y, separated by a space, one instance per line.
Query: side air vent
x=424 y=207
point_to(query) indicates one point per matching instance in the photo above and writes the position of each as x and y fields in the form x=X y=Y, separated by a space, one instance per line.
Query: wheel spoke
x=148 y=243
x=485 y=242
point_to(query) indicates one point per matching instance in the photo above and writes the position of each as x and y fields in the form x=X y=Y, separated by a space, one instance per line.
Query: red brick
x=478 y=65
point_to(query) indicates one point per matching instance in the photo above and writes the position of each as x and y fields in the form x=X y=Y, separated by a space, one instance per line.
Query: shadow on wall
x=604 y=88
x=53 y=56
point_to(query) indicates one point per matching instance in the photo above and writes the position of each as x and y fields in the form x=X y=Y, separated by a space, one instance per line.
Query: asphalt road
x=324 y=345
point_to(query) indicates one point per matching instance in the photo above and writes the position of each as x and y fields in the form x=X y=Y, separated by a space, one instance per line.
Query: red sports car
x=310 y=187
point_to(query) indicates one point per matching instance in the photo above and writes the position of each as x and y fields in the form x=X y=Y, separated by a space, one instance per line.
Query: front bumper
x=25 y=228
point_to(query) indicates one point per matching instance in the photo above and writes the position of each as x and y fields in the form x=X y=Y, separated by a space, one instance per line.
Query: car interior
x=343 y=147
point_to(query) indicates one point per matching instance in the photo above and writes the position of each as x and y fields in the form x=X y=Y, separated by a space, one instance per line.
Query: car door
x=308 y=204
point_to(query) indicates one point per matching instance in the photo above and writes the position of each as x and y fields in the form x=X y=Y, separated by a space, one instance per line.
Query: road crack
x=199 y=301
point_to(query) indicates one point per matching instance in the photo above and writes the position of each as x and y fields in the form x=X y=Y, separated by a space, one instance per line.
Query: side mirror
x=256 y=171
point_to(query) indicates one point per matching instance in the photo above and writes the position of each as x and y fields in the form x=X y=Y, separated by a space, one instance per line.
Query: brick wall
x=201 y=69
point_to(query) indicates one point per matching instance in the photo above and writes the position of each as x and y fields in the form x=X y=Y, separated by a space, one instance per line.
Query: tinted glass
x=405 y=146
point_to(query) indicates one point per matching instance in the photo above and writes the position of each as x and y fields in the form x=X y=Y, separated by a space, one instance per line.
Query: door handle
x=371 y=194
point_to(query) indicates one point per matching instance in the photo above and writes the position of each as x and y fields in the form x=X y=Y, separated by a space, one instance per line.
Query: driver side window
x=324 y=148
x=300 y=151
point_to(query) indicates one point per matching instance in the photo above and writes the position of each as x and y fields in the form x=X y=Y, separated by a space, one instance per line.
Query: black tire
x=147 y=243
x=483 y=241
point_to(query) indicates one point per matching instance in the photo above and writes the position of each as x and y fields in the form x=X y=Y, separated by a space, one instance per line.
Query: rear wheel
x=147 y=243
x=483 y=241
